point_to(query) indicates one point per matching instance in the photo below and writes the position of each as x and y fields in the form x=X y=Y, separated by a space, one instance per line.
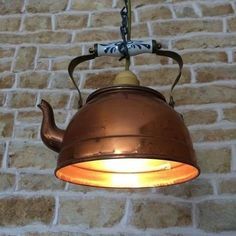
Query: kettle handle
x=155 y=49
x=75 y=62
x=176 y=57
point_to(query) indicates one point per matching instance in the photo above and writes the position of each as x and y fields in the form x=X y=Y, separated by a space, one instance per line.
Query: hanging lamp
x=126 y=135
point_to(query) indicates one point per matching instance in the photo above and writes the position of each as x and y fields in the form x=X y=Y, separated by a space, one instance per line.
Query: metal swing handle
x=150 y=46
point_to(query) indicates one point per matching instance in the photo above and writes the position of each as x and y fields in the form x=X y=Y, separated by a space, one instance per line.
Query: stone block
x=162 y=76
x=11 y=7
x=35 y=6
x=217 y=215
x=55 y=99
x=30 y=155
x=157 y=214
x=195 y=117
x=25 y=59
x=33 y=79
x=7 y=181
x=55 y=37
x=173 y=28
x=204 y=57
x=84 y=5
x=37 y=22
x=208 y=74
x=230 y=114
x=20 y=99
x=216 y=9
x=152 y=13
x=99 y=80
x=214 y=160
x=92 y=212
x=19 y=211
x=10 y=24
x=6 y=124
x=77 y=21
x=192 y=189
x=37 y=182
x=7 y=80
x=204 y=135
x=205 y=41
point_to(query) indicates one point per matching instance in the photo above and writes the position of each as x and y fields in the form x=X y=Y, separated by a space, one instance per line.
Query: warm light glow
x=127 y=165
x=127 y=173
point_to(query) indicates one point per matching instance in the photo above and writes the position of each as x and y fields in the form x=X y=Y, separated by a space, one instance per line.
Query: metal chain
x=124 y=31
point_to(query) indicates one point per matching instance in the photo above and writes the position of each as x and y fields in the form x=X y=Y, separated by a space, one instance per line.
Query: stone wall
x=37 y=40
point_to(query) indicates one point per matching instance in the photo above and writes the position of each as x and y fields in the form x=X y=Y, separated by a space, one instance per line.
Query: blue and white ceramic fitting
x=135 y=47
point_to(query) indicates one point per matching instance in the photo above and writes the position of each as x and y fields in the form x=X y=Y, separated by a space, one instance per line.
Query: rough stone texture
x=216 y=10
x=213 y=135
x=33 y=80
x=101 y=19
x=34 y=23
x=139 y=3
x=26 y=132
x=95 y=212
x=156 y=214
x=5 y=65
x=204 y=57
x=95 y=35
x=6 y=52
x=52 y=6
x=163 y=76
x=184 y=27
x=199 y=117
x=151 y=59
x=71 y=21
x=35 y=116
x=22 y=99
x=232 y=24
x=207 y=74
x=227 y=186
x=230 y=114
x=99 y=80
x=36 y=182
x=62 y=64
x=217 y=215
x=7 y=181
x=193 y=189
x=11 y=7
x=203 y=41
x=55 y=51
x=56 y=234
x=56 y=100
x=2 y=98
x=140 y=30
x=19 y=211
x=22 y=155
x=10 y=24
x=183 y=11
x=38 y=39
x=154 y=13
x=214 y=160
x=61 y=81
x=106 y=62
x=84 y=5
x=7 y=80
x=2 y=150
x=205 y=94
x=25 y=58
x=6 y=124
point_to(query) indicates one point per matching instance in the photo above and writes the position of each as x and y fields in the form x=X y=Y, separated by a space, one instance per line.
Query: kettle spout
x=51 y=135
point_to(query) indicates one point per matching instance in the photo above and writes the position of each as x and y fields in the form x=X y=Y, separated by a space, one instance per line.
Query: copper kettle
x=124 y=136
